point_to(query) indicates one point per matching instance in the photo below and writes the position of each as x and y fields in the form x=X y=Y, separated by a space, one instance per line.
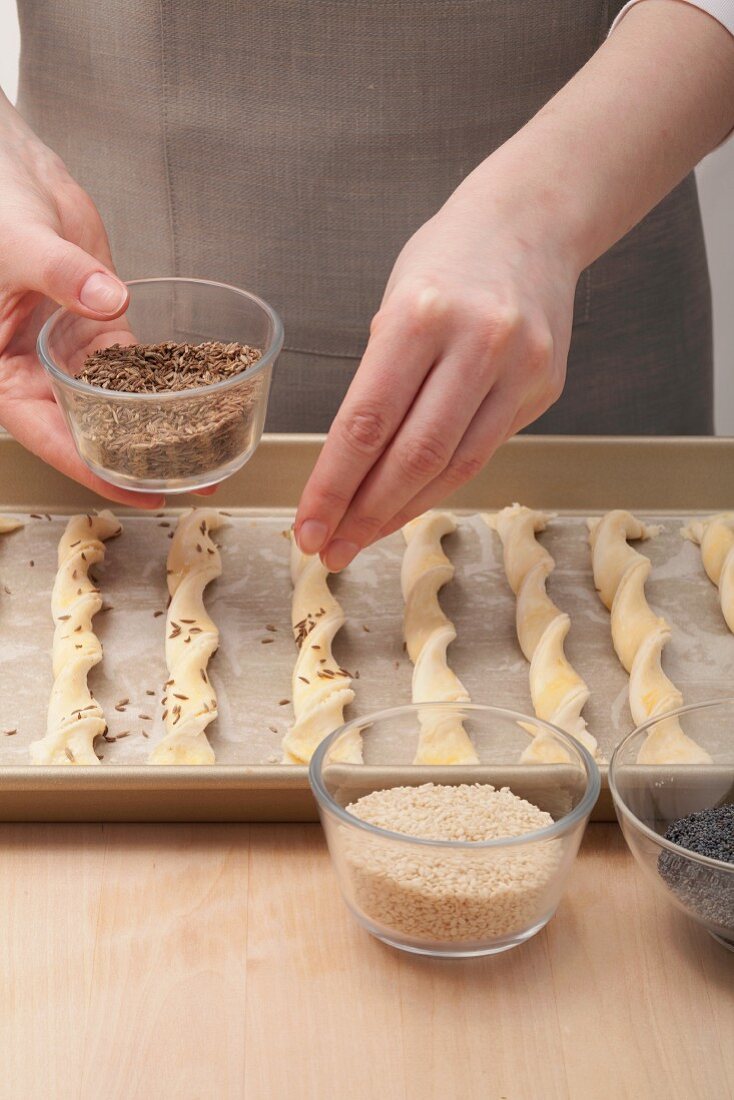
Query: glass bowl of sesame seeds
x=172 y=395
x=452 y=860
x=678 y=819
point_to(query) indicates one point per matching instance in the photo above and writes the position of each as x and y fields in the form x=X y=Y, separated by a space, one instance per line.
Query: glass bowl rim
x=621 y=805
x=266 y=359
x=562 y=825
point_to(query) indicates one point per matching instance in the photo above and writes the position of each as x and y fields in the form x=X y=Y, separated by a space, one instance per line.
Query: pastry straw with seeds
x=75 y=718
x=321 y=689
x=191 y=640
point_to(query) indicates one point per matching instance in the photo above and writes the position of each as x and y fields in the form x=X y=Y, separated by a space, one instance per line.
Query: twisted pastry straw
x=8 y=524
x=191 y=640
x=715 y=536
x=639 y=635
x=557 y=691
x=428 y=634
x=75 y=718
x=321 y=689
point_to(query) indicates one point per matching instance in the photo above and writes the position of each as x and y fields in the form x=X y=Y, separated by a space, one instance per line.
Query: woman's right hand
x=53 y=246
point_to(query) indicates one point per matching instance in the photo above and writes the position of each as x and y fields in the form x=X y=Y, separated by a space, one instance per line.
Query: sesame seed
x=451 y=895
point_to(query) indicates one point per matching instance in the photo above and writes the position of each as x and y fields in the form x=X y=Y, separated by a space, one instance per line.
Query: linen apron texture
x=293 y=146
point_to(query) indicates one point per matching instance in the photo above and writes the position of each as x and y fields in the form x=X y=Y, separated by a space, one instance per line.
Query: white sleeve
x=721 y=10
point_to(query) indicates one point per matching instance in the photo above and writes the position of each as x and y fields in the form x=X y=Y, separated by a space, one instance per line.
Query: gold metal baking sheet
x=673 y=478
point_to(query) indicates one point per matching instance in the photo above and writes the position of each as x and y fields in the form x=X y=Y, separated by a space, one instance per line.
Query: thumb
x=68 y=275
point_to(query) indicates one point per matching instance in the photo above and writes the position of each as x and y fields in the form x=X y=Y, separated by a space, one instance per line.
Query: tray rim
x=32 y=793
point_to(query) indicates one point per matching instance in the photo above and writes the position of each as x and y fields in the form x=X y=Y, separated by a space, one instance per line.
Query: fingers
x=403 y=346
x=426 y=449
x=443 y=382
x=41 y=260
x=39 y=425
x=510 y=407
x=421 y=451
x=490 y=428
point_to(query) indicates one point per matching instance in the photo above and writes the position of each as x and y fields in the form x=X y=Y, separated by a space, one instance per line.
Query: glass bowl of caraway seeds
x=172 y=395
x=459 y=859
x=678 y=819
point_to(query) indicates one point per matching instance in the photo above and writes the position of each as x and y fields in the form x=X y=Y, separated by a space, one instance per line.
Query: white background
x=716 y=183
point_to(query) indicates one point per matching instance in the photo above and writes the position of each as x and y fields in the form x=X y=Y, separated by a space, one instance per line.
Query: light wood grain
x=218 y=961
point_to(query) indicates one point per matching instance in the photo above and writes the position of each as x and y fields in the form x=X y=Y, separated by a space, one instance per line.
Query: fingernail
x=311 y=535
x=102 y=293
x=339 y=553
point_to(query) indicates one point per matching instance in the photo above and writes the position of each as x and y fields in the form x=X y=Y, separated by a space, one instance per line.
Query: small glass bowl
x=444 y=897
x=649 y=797
x=167 y=442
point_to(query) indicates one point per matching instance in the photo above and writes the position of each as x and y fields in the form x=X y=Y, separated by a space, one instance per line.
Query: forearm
x=653 y=100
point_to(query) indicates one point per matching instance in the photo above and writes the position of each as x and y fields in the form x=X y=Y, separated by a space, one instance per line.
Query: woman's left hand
x=468 y=347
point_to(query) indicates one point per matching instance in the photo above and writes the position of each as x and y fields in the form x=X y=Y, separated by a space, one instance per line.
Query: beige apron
x=292 y=147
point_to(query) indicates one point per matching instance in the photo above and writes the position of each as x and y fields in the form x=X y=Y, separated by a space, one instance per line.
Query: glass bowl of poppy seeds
x=678 y=819
x=172 y=395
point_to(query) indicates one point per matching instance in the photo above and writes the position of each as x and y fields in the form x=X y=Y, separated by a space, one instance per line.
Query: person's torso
x=292 y=146
x=284 y=145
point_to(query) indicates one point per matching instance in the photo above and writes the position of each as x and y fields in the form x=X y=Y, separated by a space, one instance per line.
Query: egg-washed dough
x=191 y=639
x=428 y=634
x=558 y=692
x=715 y=536
x=8 y=524
x=639 y=635
x=321 y=689
x=75 y=718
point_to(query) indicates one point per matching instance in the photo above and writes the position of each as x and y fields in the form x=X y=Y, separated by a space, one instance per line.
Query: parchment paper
x=254 y=591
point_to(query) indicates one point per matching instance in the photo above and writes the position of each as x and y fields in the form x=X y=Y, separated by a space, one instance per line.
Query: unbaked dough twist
x=75 y=718
x=715 y=536
x=557 y=691
x=191 y=640
x=8 y=524
x=428 y=634
x=639 y=635
x=321 y=689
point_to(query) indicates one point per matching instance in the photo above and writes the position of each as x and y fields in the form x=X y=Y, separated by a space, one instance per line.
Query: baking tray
x=671 y=478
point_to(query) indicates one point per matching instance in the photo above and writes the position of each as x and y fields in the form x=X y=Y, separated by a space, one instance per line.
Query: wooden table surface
x=218 y=961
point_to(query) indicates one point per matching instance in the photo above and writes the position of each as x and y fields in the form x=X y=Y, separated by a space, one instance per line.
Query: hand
x=471 y=341
x=53 y=247
x=469 y=346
